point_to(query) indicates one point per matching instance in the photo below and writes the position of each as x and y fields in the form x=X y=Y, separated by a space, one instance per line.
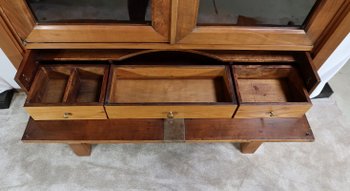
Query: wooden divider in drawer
x=68 y=92
x=269 y=91
x=170 y=92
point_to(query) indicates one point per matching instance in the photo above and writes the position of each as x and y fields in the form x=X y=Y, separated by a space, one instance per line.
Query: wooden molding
x=94 y=33
x=166 y=46
x=19 y=15
x=321 y=17
x=161 y=10
x=9 y=44
x=182 y=30
x=333 y=35
x=187 y=17
x=272 y=36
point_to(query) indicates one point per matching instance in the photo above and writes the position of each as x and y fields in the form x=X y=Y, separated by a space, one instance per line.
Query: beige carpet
x=321 y=165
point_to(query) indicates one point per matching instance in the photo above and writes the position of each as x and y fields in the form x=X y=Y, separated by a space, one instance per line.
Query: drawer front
x=193 y=111
x=66 y=112
x=272 y=111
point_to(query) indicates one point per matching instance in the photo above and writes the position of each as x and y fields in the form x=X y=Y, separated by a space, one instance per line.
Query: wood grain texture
x=52 y=112
x=94 y=33
x=9 y=44
x=95 y=131
x=163 y=46
x=145 y=130
x=27 y=70
x=250 y=147
x=173 y=21
x=249 y=130
x=154 y=91
x=161 y=10
x=186 y=18
x=308 y=71
x=272 y=110
x=321 y=17
x=247 y=36
x=130 y=72
x=122 y=54
x=81 y=149
x=19 y=16
x=264 y=90
x=169 y=90
x=333 y=35
x=160 y=110
x=269 y=91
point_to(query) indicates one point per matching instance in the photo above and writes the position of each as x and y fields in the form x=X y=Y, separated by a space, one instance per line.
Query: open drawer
x=270 y=91
x=170 y=92
x=63 y=91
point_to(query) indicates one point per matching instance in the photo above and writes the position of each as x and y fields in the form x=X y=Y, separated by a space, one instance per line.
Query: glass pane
x=91 y=11
x=254 y=12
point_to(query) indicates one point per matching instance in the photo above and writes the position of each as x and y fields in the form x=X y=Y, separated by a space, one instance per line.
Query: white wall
x=7 y=73
x=333 y=64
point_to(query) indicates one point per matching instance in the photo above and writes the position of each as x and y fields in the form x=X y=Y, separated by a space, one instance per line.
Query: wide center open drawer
x=101 y=84
x=170 y=92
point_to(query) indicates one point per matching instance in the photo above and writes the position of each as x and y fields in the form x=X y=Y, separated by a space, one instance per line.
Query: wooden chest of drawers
x=80 y=98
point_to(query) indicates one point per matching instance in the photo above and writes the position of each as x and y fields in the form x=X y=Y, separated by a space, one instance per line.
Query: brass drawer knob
x=170 y=115
x=66 y=115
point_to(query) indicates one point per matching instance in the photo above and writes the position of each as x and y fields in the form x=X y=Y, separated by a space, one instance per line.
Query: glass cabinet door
x=284 y=13
x=91 y=21
x=253 y=23
x=91 y=11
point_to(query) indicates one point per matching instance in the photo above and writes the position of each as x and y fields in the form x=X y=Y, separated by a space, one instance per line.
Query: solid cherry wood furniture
x=131 y=96
x=166 y=78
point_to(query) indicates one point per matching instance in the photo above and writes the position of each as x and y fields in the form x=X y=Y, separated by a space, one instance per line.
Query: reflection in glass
x=254 y=12
x=91 y=11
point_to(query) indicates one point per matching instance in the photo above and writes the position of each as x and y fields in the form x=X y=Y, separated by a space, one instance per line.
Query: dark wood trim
x=142 y=130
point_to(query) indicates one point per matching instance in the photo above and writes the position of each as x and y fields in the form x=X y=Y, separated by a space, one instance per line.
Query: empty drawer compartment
x=170 y=92
x=269 y=91
x=68 y=92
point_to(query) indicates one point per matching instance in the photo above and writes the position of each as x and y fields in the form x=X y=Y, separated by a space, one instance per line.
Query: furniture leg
x=81 y=149
x=250 y=147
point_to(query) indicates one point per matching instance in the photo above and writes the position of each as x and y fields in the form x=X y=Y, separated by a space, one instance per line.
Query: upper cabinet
x=297 y=25
x=65 y=21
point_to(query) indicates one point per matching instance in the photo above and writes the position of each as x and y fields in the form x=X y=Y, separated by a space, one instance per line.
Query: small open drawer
x=170 y=92
x=270 y=91
x=68 y=92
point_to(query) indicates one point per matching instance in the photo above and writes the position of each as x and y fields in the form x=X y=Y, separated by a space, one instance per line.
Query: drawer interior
x=68 y=84
x=170 y=84
x=269 y=83
x=50 y=85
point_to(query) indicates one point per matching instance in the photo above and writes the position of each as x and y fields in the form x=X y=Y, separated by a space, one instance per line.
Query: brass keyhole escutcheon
x=66 y=115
